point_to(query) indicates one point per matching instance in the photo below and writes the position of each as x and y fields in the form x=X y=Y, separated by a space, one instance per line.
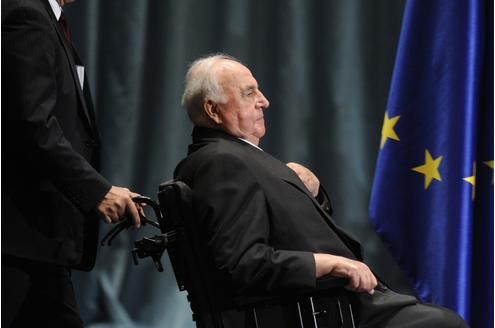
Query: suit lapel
x=72 y=56
x=299 y=186
x=351 y=242
x=290 y=177
x=85 y=95
x=286 y=174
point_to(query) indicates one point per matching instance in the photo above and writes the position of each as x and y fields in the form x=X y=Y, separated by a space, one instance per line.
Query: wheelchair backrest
x=175 y=199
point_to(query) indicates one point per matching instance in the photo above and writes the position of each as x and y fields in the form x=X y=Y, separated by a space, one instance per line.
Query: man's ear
x=212 y=111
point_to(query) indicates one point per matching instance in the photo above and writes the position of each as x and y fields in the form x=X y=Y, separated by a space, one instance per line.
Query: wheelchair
x=327 y=305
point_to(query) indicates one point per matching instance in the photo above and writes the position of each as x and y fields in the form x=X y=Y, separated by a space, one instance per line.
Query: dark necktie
x=65 y=28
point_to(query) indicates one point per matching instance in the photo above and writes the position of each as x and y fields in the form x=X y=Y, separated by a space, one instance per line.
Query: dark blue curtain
x=324 y=65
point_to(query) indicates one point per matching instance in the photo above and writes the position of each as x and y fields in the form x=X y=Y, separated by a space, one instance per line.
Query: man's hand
x=116 y=203
x=307 y=177
x=361 y=279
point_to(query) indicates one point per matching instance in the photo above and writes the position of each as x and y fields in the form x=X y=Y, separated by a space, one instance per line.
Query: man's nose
x=263 y=102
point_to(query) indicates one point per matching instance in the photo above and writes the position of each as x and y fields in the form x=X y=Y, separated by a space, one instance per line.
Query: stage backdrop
x=324 y=65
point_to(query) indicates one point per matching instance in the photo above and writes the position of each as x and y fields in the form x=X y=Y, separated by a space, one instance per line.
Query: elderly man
x=264 y=226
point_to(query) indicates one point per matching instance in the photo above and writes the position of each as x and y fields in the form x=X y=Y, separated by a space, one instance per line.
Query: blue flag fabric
x=432 y=196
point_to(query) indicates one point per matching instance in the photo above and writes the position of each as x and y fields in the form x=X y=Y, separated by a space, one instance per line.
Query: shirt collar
x=57 y=10
x=199 y=133
x=249 y=142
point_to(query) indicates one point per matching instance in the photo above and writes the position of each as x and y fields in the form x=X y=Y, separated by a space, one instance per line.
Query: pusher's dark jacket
x=50 y=143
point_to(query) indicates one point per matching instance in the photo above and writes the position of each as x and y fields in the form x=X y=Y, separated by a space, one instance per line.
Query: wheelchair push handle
x=148 y=201
x=148 y=246
x=127 y=222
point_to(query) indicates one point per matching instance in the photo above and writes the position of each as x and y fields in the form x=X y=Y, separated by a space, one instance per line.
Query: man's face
x=242 y=113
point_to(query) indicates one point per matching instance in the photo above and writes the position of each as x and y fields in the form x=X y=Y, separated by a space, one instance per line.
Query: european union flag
x=432 y=197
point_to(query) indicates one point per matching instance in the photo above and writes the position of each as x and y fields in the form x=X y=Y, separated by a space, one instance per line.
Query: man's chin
x=260 y=129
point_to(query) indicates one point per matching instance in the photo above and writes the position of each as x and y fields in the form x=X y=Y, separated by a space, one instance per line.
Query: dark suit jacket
x=50 y=143
x=260 y=223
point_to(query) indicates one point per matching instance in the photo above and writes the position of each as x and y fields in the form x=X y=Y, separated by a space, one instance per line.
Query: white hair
x=202 y=83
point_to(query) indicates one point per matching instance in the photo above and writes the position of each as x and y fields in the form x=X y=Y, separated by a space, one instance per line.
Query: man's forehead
x=231 y=71
x=228 y=65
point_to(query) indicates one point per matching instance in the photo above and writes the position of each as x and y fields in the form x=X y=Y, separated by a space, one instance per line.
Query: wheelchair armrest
x=327 y=282
x=325 y=286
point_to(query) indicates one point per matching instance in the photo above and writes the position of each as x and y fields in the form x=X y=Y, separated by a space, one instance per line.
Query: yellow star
x=429 y=168
x=472 y=180
x=388 y=129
